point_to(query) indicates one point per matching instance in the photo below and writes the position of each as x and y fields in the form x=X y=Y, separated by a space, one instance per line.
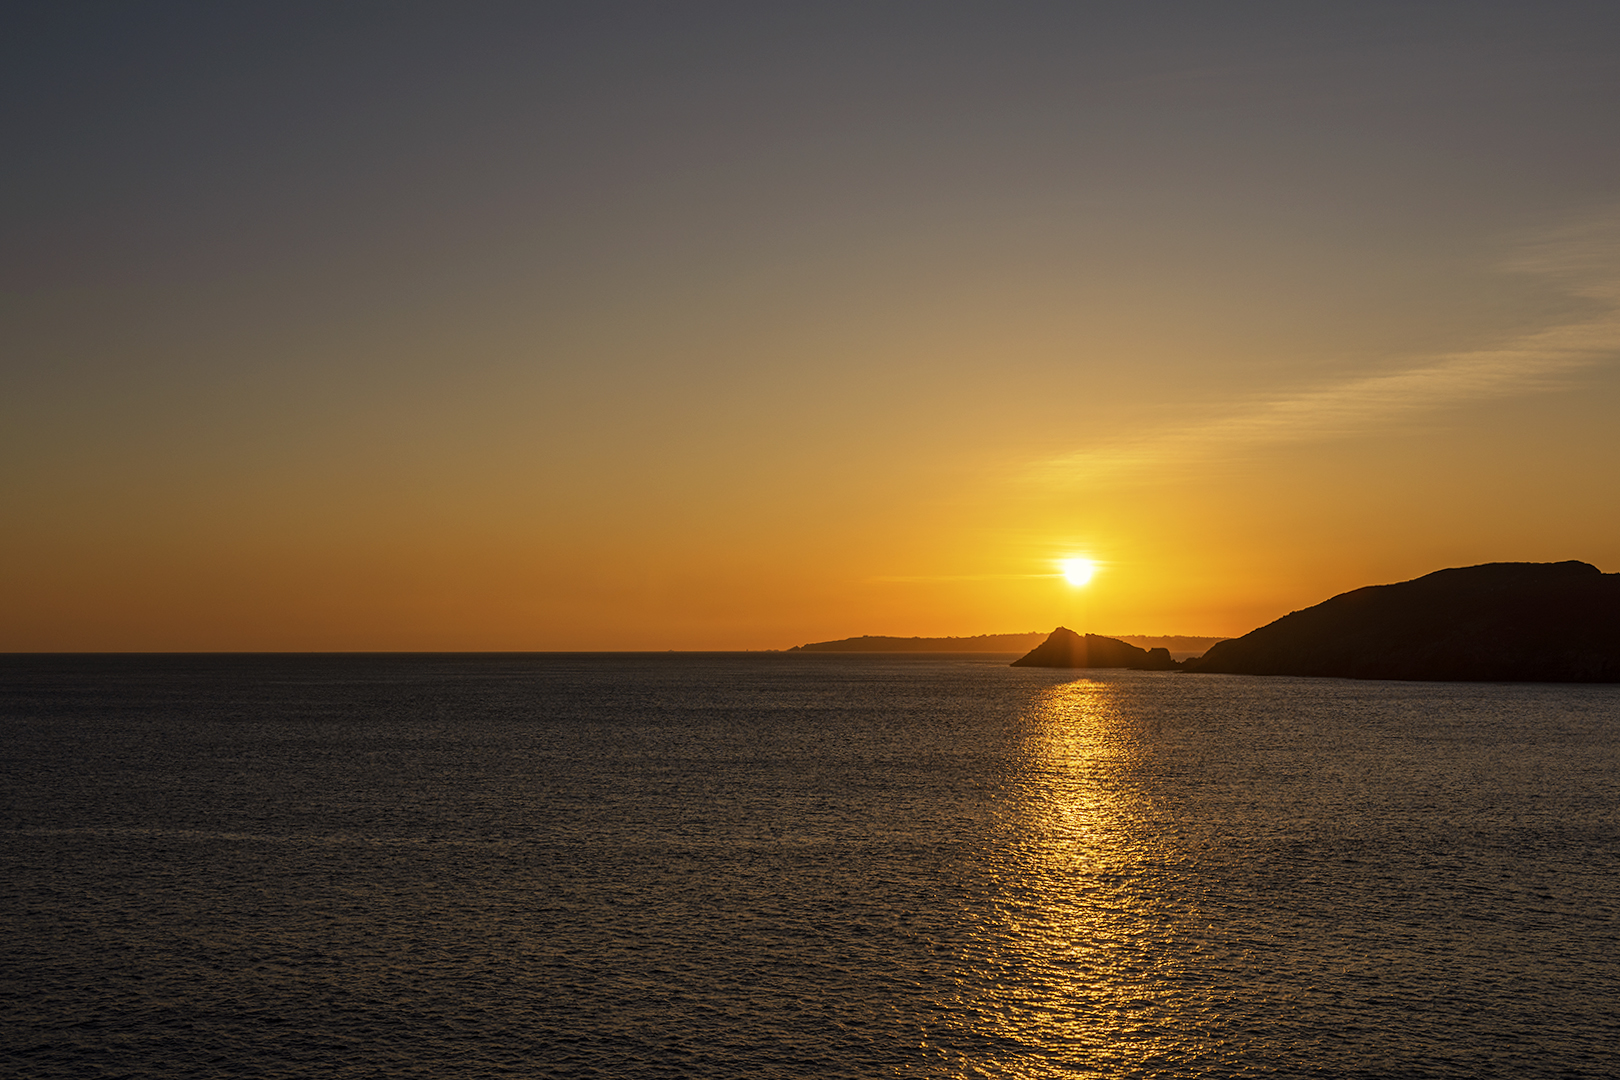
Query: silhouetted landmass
x=1064 y=648
x=1180 y=646
x=1501 y=622
x=1174 y=643
x=981 y=643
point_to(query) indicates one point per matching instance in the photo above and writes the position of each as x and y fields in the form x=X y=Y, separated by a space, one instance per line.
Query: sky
x=737 y=326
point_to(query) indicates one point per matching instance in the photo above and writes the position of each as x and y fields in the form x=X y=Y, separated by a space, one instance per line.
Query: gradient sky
x=694 y=326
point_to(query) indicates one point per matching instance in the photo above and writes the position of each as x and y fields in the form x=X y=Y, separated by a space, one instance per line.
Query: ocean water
x=798 y=866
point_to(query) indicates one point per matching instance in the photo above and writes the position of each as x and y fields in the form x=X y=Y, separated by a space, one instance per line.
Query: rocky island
x=1064 y=648
x=1500 y=622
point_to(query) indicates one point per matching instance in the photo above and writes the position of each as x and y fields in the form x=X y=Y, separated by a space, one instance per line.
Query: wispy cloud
x=1586 y=257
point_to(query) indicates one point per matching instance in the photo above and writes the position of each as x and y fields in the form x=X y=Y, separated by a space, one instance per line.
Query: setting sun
x=1078 y=571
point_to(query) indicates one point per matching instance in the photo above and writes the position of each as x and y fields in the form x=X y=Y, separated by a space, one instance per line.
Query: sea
x=798 y=865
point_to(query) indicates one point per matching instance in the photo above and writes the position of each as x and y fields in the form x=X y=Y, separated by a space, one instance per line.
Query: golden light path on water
x=1099 y=936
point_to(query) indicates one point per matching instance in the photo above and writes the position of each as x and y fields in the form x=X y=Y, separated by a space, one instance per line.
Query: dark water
x=798 y=866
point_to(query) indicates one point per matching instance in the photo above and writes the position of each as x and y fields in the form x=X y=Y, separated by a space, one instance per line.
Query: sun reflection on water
x=1087 y=946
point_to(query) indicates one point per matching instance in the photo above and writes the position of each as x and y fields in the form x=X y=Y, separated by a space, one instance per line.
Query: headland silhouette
x=1499 y=622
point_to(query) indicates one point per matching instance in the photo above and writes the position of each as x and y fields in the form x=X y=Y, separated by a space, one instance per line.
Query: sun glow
x=1078 y=571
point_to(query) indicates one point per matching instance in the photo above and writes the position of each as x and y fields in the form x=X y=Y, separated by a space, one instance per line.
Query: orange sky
x=741 y=334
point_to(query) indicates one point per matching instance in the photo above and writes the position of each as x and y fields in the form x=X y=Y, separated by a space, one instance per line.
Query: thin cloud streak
x=1539 y=361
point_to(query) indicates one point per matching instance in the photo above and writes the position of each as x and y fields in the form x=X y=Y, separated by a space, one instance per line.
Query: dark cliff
x=1501 y=622
x=1066 y=649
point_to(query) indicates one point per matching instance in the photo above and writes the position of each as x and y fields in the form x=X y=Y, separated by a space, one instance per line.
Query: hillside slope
x=1520 y=622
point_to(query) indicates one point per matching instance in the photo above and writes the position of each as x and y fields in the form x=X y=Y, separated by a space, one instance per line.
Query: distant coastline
x=1180 y=646
x=878 y=643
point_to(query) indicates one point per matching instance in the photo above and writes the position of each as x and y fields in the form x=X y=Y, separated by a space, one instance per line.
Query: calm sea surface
x=798 y=866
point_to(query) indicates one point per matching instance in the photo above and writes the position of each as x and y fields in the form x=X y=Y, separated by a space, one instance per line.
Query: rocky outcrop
x=1064 y=648
x=1501 y=622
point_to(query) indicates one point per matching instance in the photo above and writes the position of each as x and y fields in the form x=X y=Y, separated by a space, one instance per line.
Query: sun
x=1078 y=571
